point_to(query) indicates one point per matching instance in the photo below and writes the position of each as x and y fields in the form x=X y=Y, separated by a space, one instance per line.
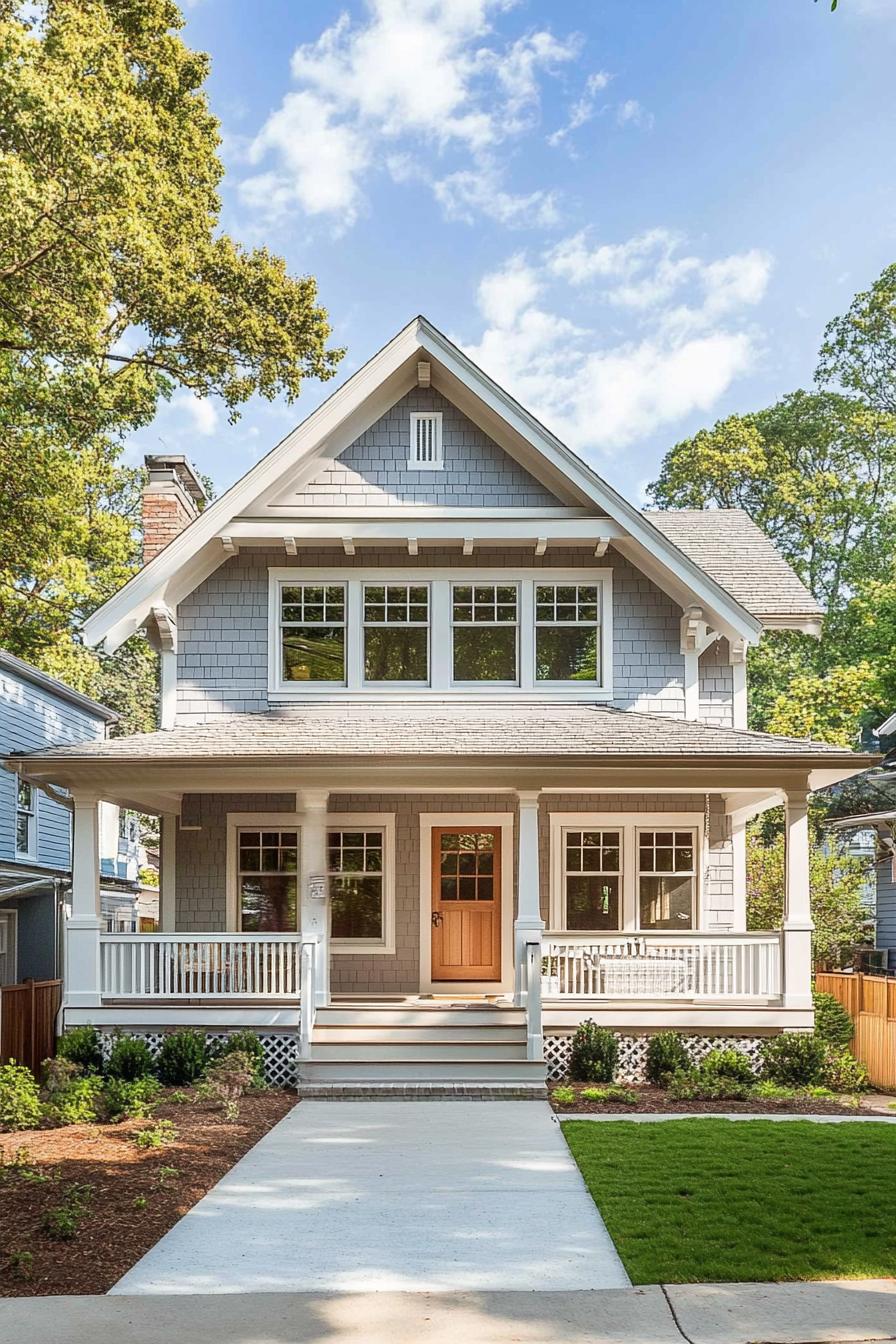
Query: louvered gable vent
x=426 y=441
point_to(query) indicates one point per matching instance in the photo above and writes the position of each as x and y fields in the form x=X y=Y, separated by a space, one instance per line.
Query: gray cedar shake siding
x=374 y=469
x=202 y=877
x=223 y=630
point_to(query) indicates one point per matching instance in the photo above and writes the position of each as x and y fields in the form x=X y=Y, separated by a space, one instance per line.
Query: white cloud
x=688 y=336
x=202 y=413
x=426 y=76
x=631 y=113
x=479 y=191
x=584 y=108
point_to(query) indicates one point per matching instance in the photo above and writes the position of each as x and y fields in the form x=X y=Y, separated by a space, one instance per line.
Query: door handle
x=436 y=918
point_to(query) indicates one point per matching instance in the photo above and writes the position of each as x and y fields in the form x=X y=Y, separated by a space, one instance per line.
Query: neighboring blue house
x=38 y=711
x=867 y=802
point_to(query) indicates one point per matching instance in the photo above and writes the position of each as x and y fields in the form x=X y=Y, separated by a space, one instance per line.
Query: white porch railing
x=201 y=966
x=661 y=966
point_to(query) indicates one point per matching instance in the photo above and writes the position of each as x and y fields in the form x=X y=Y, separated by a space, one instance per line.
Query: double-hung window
x=26 y=820
x=667 y=879
x=396 y=632
x=485 y=621
x=267 y=880
x=358 y=875
x=312 y=623
x=592 y=879
x=567 y=632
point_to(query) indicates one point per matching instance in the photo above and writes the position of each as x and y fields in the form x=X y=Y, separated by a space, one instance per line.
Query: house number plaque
x=317 y=887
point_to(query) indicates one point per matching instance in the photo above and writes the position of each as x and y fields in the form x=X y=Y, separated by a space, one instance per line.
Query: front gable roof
x=258 y=504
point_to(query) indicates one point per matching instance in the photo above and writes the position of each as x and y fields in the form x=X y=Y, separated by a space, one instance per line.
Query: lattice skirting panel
x=280 y=1051
x=633 y=1053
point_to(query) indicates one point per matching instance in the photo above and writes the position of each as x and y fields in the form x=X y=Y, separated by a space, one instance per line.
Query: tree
x=859 y=348
x=836 y=884
x=116 y=287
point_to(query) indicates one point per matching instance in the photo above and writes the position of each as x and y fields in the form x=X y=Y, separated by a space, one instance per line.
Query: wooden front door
x=466 y=903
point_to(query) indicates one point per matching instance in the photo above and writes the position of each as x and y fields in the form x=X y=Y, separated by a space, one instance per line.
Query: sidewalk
x=790 y=1313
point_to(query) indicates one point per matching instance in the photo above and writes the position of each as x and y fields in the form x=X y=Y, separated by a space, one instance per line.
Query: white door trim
x=496 y=820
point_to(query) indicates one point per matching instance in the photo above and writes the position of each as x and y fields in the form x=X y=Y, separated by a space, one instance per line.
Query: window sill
x=473 y=692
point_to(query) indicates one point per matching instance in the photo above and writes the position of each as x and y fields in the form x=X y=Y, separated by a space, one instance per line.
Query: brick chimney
x=172 y=497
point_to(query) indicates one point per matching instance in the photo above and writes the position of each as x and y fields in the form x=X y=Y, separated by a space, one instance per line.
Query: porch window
x=268 y=881
x=312 y=623
x=356 y=871
x=485 y=623
x=396 y=632
x=592 y=879
x=567 y=632
x=667 y=879
x=26 y=820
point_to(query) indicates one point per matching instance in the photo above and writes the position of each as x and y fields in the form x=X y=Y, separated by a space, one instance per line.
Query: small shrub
x=698 y=1086
x=76 y=1102
x=727 y=1064
x=769 y=1091
x=594 y=1054
x=167 y=1174
x=564 y=1096
x=130 y=1059
x=622 y=1096
x=156 y=1136
x=58 y=1074
x=19 y=1097
x=140 y=1202
x=794 y=1059
x=182 y=1058
x=178 y=1098
x=245 y=1043
x=833 y=1023
x=819 y=1093
x=131 y=1100
x=842 y=1072
x=666 y=1054
x=21 y=1263
x=61 y=1221
x=227 y=1080
x=82 y=1046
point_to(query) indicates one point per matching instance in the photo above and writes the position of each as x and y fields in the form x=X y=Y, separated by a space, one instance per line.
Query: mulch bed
x=132 y=1201
x=655 y=1100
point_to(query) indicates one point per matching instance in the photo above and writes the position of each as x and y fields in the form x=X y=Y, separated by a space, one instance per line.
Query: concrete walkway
x=727 y=1313
x=429 y=1196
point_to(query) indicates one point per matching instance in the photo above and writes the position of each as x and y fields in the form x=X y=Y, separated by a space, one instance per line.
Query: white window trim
x=31 y=851
x=441 y=645
x=370 y=821
x=388 y=685
x=438 y=462
x=239 y=821
x=630 y=824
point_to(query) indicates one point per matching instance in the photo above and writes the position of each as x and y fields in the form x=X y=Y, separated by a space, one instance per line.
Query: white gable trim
x=194 y=554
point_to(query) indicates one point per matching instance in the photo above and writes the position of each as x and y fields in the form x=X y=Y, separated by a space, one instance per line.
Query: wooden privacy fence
x=870 y=1001
x=28 y=1021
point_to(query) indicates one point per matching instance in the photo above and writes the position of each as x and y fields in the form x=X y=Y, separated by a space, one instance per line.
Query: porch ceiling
x=448 y=747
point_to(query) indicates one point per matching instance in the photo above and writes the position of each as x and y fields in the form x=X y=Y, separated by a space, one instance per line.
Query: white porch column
x=529 y=925
x=315 y=912
x=82 y=932
x=168 y=872
x=797 y=914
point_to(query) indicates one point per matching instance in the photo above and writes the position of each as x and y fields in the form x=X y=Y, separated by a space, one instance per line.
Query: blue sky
x=637 y=215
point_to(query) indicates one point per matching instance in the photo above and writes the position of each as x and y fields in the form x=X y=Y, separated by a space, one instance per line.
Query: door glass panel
x=466 y=866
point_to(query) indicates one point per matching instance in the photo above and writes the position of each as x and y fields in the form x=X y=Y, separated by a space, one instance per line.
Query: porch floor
x=426 y=1196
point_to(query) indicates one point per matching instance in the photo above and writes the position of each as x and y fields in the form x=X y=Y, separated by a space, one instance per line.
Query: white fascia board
x=587 y=481
x=887 y=727
x=484 y=528
x=302 y=441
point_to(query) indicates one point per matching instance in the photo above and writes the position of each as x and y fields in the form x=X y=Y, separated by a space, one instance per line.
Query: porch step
x=443 y=1047
x=429 y=1091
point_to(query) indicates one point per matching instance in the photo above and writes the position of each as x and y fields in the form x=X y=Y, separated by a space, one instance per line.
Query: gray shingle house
x=453 y=752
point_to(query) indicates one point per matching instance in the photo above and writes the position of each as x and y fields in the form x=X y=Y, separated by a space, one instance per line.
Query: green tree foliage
x=859 y=348
x=116 y=288
x=836 y=880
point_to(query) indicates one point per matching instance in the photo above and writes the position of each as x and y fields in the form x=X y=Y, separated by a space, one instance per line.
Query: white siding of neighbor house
x=223 y=630
x=374 y=469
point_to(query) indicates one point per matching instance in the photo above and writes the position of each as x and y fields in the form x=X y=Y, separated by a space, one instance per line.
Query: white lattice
x=633 y=1053
x=280 y=1051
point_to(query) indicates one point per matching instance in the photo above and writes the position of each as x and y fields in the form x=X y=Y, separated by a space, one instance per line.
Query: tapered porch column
x=529 y=925
x=315 y=909
x=797 y=913
x=82 y=931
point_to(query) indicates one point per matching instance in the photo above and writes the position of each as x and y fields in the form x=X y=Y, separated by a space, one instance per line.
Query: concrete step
x=446 y=1032
x=428 y=1091
x=435 y=1070
x=485 y=1051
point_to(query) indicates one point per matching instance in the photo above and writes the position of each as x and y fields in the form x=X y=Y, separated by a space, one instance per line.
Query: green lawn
x=731 y=1201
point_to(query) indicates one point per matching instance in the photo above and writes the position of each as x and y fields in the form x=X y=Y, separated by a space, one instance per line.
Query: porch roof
x=316 y=732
